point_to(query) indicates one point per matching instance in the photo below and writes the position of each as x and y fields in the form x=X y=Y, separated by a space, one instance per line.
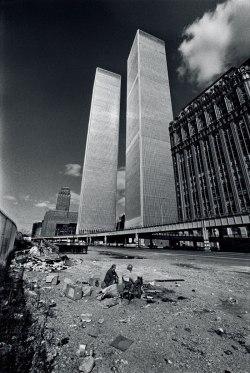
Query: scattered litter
x=121 y=343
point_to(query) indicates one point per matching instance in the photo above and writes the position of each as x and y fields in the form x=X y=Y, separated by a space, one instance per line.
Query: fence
x=7 y=236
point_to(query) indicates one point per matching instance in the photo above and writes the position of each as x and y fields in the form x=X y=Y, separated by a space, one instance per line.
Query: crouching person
x=110 y=284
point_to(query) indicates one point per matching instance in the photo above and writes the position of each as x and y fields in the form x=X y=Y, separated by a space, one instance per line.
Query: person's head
x=113 y=267
x=130 y=267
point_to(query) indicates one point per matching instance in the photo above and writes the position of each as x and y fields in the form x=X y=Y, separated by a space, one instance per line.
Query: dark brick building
x=210 y=142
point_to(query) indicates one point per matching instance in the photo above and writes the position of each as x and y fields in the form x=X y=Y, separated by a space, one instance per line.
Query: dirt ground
x=203 y=327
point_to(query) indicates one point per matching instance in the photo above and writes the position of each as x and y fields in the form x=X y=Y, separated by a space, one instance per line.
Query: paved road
x=230 y=259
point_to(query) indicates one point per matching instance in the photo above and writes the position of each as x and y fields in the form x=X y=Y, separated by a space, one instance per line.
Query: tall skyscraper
x=63 y=199
x=97 y=209
x=211 y=149
x=150 y=189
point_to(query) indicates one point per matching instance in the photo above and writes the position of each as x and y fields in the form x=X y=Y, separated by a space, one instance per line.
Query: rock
x=87 y=291
x=81 y=350
x=168 y=361
x=188 y=330
x=219 y=331
x=247 y=343
x=110 y=302
x=66 y=281
x=193 y=290
x=87 y=364
x=101 y=321
x=52 y=279
x=5 y=349
x=228 y=352
x=177 y=285
x=218 y=318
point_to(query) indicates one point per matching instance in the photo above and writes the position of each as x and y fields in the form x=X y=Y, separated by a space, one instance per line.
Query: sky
x=49 y=51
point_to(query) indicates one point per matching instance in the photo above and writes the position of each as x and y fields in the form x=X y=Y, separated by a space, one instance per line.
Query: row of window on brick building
x=214 y=111
x=212 y=175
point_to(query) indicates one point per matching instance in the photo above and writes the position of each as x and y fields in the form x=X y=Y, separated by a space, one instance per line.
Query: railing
x=7 y=236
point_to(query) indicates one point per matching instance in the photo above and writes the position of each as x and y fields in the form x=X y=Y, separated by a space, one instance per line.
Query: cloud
x=75 y=198
x=11 y=198
x=73 y=169
x=215 y=42
x=27 y=198
x=46 y=204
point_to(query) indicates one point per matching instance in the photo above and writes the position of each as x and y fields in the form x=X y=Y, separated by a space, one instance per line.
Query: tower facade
x=63 y=199
x=97 y=208
x=150 y=197
x=211 y=149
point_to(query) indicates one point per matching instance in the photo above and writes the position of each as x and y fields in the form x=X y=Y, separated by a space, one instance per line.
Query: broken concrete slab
x=121 y=343
x=66 y=282
x=52 y=279
x=87 y=364
x=73 y=292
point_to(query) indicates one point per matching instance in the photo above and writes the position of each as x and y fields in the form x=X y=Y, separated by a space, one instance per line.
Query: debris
x=228 y=352
x=93 y=333
x=73 y=292
x=121 y=343
x=124 y=321
x=110 y=302
x=87 y=291
x=86 y=315
x=182 y=298
x=95 y=281
x=66 y=282
x=52 y=279
x=68 y=262
x=87 y=364
x=193 y=290
x=63 y=341
x=219 y=331
x=52 y=303
x=170 y=280
x=168 y=361
x=81 y=350
x=166 y=299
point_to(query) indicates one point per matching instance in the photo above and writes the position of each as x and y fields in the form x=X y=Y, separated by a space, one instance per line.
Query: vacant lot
x=202 y=327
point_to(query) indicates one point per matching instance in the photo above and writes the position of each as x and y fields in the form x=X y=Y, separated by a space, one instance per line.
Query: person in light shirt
x=129 y=275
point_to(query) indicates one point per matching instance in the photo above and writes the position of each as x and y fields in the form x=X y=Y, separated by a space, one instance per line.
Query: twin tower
x=149 y=188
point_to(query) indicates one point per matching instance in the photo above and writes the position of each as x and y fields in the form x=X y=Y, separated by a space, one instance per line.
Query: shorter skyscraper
x=63 y=199
x=210 y=142
x=59 y=221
